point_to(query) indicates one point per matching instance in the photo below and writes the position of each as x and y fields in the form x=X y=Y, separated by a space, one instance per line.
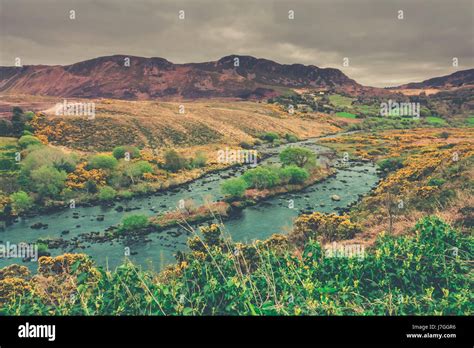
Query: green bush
x=21 y=201
x=48 y=156
x=436 y=182
x=102 y=162
x=199 y=161
x=261 y=177
x=390 y=164
x=291 y=138
x=293 y=174
x=269 y=136
x=125 y=194
x=28 y=140
x=119 y=152
x=47 y=181
x=134 y=222
x=107 y=193
x=136 y=170
x=174 y=161
x=234 y=188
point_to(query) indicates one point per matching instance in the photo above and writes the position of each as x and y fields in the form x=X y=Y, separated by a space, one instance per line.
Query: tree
x=102 y=162
x=27 y=140
x=119 y=152
x=137 y=169
x=235 y=188
x=174 y=161
x=48 y=181
x=107 y=193
x=298 y=156
x=21 y=201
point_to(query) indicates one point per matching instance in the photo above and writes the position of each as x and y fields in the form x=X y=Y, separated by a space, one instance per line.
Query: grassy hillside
x=160 y=124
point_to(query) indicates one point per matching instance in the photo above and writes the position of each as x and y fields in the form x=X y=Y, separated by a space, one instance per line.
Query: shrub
x=324 y=227
x=199 y=161
x=50 y=157
x=291 y=138
x=21 y=201
x=444 y=135
x=174 y=161
x=293 y=174
x=134 y=222
x=91 y=186
x=235 y=188
x=102 y=162
x=390 y=164
x=269 y=136
x=48 y=181
x=137 y=169
x=125 y=194
x=27 y=140
x=141 y=188
x=119 y=152
x=436 y=182
x=298 y=156
x=107 y=193
x=261 y=177
x=276 y=142
x=43 y=249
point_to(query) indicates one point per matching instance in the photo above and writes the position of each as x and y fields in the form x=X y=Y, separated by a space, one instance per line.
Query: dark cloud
x=382 y=49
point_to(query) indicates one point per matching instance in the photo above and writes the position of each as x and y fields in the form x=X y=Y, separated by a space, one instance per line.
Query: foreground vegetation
x=421 y=274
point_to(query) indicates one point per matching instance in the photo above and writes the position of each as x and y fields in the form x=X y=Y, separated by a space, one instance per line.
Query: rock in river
x=335 y=198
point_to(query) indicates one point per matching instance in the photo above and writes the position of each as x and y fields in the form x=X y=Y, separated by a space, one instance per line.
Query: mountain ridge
x=148 y=78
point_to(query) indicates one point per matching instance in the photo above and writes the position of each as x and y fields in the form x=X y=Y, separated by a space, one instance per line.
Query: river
x=260 y=221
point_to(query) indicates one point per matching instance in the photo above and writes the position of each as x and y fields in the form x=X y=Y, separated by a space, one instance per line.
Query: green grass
x=340 y=101
x=345 y=115
x=436 y=120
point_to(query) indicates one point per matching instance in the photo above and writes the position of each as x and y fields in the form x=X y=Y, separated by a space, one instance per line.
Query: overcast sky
x=382 y=49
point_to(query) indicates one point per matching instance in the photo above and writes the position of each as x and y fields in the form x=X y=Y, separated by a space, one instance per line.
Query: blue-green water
x=274 y=215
